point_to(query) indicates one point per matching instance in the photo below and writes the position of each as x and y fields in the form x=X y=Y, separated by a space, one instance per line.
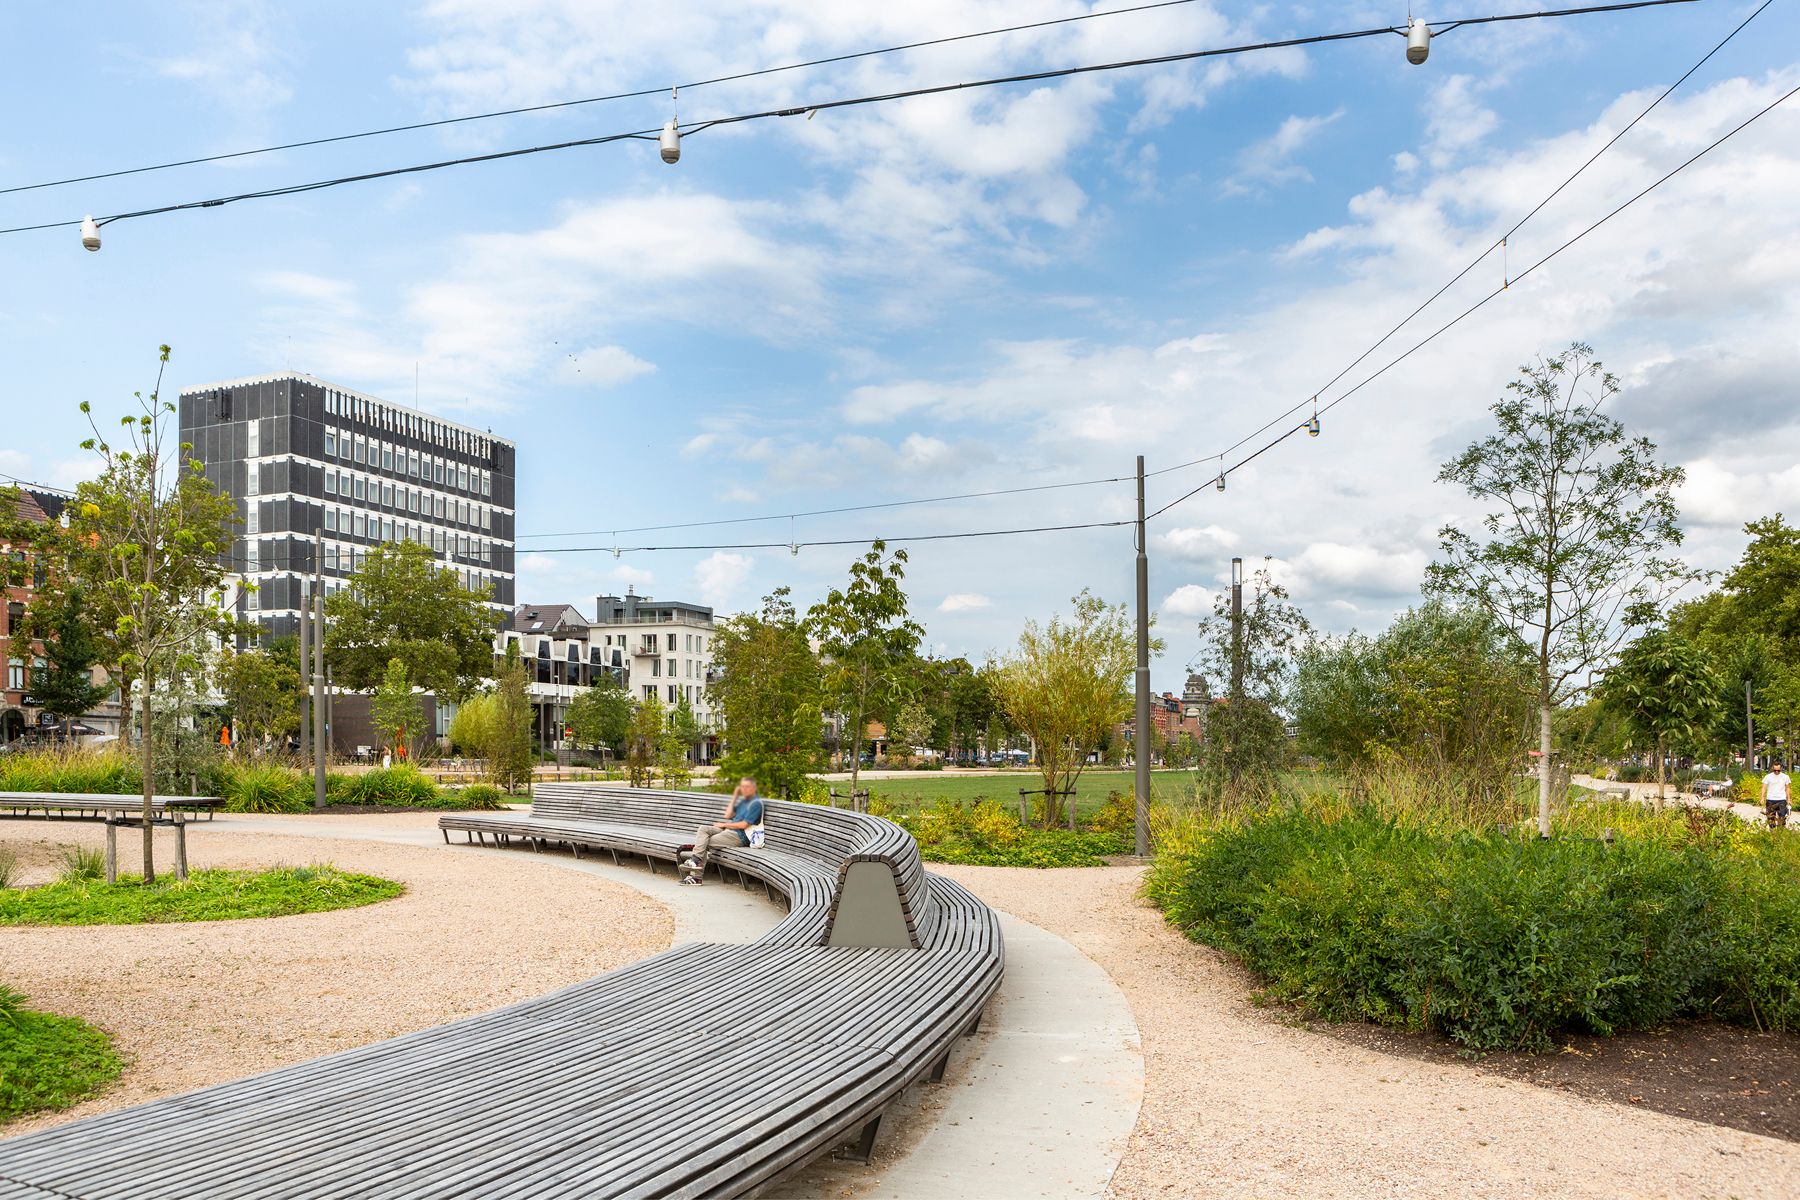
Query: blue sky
x=1026 y=285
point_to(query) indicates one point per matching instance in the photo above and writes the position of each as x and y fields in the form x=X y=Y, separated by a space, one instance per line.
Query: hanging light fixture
x=1312 y=426
x=794 y=549
x=1221 y=483
x=1418 y=40
x=670 y=141
x=90 y=233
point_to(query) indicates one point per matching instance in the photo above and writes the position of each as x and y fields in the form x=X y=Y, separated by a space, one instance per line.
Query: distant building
x=562 y=659
x=301 y=455
x=19 y=713
x=667 y=646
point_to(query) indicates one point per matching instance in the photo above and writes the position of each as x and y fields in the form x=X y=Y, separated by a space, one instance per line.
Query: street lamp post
x=1141 y=738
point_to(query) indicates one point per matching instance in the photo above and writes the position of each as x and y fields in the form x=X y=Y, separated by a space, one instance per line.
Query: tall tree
x=509 y=738
x=1664 y=687
x=1246 y=739
x=263 y=692
x=679 y=732
x=145 y=543
x=1577 y=541
x=401 y=604
x=601 y=715
x=770 y=694
x=395 y=709
x=64 y=685
x=868 y=641
x=1066 y=685
x=644 y=741
x=472 y=727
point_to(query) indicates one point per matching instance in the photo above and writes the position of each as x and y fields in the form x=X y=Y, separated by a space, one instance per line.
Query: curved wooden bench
x=706 y=1070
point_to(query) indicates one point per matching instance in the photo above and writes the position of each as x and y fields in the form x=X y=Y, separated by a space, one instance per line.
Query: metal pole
x=318 y=647
x=305 y=670
x=1141 y=742
x=1749 y=731
x=1237 y=628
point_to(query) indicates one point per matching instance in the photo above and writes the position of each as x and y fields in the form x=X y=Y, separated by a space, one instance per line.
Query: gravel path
x=1236 y=1103
x=194 y=1004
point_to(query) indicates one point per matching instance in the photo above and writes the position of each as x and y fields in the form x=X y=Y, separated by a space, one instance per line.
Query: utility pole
x=305 y=670
x=1141 y=742
x=318 y=687
x=1237 y=629
x=1749 y=731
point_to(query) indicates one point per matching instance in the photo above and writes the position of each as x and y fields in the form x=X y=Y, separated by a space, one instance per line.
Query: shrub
x=1118 y=815
x=103 y=772
x=477 y=795
x=1748 y=788
x=988 y=834
x=1495 y=941
x=9 y=867
x=266 y=789
x=399 y=786
x=1634 y=773
x=81 y=865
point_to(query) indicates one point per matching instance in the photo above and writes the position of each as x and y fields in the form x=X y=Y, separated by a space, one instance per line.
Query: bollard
x=181 y=871
x=112 y=850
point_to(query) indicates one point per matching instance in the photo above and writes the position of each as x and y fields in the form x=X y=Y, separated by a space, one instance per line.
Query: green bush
x=399 y=786
x=48 y=1062
x=1635 y=773
x=9 y=867
x=1495 y=941
x=266 y=789
x=80 y=864
x=990 y=835
x=100 y=772
x=476 y=795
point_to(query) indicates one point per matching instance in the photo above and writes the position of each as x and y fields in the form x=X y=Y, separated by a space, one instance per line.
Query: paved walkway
x=1040 y=1103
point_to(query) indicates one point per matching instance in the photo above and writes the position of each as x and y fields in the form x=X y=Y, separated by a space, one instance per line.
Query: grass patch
x=70 y=769
x=1496 y=939
x=47 y=1061
x=203 y=896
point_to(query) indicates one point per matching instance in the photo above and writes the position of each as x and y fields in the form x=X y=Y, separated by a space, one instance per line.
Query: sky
x=1012 y=287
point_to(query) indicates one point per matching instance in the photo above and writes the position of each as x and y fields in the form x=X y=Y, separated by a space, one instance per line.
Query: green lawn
x=47 y=1061
x=927 y=787
x=203 y=896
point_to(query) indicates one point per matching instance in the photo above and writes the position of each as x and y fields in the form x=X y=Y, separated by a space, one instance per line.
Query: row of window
x=359 y=408
x=397 y=460
x=347 y=559
x=693 y=643
x=690 y=668
x=675 y=693
x=352 y=486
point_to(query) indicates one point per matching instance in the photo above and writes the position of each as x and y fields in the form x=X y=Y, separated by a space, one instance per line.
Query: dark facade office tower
x=300 y=454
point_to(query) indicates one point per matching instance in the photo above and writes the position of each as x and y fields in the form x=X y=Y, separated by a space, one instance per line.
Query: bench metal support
x=938 y=1068
x=112 y=853
x=865 y=1145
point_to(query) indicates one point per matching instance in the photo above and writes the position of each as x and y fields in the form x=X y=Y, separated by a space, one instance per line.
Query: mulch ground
x=1702 y=1070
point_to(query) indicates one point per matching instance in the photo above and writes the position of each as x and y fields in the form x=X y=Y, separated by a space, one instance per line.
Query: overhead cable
x=1490 y=297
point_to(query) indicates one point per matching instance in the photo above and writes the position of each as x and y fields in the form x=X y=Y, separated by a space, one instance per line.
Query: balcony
x=646 y=650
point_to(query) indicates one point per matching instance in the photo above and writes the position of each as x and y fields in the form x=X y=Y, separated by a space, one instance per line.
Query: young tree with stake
x=1576 y=542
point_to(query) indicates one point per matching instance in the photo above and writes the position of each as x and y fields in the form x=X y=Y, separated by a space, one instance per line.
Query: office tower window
x=356 y=487
x=330 y=444
x=362 y=525
x=387 y=457
x=330 y=482
x=331 y=556
x=357 y=455
x=412 y=463
x=253 y=480
x=330 y=519
x=387 y=494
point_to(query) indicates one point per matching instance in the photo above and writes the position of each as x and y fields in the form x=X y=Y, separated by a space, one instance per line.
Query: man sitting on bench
x=744 y=810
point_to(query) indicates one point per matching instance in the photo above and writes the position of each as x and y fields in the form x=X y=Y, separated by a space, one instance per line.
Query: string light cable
x=1499 y=243
x=812 y=109
x=586 y=100
x=1493 y=295
x=797 y=546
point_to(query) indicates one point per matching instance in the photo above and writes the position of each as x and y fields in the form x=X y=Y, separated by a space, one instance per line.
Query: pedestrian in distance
x=743 y=813
x=1775 y=797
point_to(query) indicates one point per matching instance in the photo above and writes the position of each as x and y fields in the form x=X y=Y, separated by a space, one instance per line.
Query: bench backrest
x=882 y=898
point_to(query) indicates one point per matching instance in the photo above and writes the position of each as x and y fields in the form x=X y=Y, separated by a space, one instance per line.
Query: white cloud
x=1188 y=600
x=602 y=366
x=1270 y=162
x=719 y=576
x=963 y=601
x=1202 y=543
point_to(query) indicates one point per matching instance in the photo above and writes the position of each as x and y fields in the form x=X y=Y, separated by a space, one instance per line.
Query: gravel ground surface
x=1239 y=1103
x=194 y=1004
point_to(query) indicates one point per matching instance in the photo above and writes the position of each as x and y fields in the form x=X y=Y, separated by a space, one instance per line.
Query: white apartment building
x=667 y=644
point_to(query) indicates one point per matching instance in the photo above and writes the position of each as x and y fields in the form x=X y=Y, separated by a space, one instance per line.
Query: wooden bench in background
x=95 y=806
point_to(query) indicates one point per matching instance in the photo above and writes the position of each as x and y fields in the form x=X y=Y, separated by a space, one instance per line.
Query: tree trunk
x=855 y=764
x=149 y=781
x=1660 y=769
x=1543 y=766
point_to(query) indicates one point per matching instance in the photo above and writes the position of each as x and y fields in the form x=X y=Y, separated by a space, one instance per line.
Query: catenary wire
x=1476 y=261
x=854 y=541
x=559 y=104
x=820 y=106
x=827 y=512
x=1485 y=300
